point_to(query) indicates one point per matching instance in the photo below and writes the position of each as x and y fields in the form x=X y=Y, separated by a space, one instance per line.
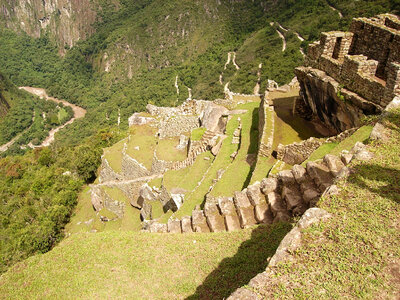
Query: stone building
x=351 y=74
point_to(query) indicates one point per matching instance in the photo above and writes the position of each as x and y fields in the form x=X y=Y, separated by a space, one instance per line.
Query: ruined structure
x=351 y=74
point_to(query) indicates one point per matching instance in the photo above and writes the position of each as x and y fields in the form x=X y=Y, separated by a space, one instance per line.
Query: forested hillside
x=140 y=51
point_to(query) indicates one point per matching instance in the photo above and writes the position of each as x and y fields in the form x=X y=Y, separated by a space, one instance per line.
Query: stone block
x=276 y=203
x=269 y=185
x=263 y=213
x=286 y=177
x=346 y=158
x=254 y=194
x=174 y=226
x=292 y=197
x=281 y=216
x=300 y=174
x=310 y=195
x=232 y=222
x=244 y=209
x=158 y=227
x=334 y=163
x=215 y=221
x=199 y=222
x=320 y=174
x=186 y=224
x=228 y=210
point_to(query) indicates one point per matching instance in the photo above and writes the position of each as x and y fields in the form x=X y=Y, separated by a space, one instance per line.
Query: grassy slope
x=123 y=265
x=355 y=254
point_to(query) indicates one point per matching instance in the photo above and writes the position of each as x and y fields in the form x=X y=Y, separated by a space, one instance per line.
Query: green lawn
x=143 y=137
x=197 y=133
x=166 y=150
x=264 y=164
x=113 y=155
x=128 y=265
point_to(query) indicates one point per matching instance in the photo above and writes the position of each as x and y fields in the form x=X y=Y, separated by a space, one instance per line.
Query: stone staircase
x=272 y=200
x=207 y=141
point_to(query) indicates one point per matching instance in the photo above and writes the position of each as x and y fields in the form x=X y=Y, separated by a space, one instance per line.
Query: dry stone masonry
x=355 y=73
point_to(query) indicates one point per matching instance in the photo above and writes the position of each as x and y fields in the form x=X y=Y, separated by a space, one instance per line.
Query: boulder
x=199 y=222
x=186 y=224
x=311 y=195
x=262 y=213
x=174 y=226
x=334 y=163
x=281 y=216
x=269 y=185
x=378 y=132
x=211 y=115
x=146 y=193
x=244 y=294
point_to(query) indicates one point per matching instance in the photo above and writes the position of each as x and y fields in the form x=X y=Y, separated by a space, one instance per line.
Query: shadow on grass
x=250 y=259
x=382 y=181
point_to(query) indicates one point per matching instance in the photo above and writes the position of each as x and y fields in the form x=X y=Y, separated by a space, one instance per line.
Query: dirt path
x=283 y=40
x=79 y=112
x=335 y=9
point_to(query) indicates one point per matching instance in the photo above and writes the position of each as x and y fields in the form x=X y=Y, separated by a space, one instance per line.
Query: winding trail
x=283 y=40
x=335 y=9
x=79 y=112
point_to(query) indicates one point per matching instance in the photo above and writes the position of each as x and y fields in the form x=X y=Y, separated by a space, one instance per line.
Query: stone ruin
x=351 y=74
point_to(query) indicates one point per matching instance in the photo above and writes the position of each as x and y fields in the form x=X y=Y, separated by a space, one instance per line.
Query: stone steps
x=272 y=200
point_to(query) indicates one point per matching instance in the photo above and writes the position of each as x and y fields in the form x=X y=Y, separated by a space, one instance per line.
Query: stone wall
x=265 y=137
x=363 y=66
x=290 y=194
x=297 y=153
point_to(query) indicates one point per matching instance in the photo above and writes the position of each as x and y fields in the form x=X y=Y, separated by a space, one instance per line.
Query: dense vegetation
x=38 y=192
x=133 y=59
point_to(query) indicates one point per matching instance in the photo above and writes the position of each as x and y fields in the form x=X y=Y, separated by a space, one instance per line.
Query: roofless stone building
x=351 y=74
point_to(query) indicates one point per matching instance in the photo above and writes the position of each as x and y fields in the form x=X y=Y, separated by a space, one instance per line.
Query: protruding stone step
x=215 y=221
x=334 y=164
x=244 y=209
x=300 y=174
x=262 y=212
x=294 y=200
x=158 y=227
x=286 y=177
x=174 y=226
x=321 y=175
x=199 y=222
x=186 y=224
x=229 y=212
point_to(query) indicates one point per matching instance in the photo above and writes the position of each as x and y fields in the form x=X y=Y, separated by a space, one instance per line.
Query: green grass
x=188 y=178
x=166 y=150
x=131 y=265
x=356 y=253
x=197 y=133
x=114 y=156
x=156 y=209
x=263 y=166
x=221 y=161
x=237 y=174
x=62 y=114
x=321 y=151
x=360 y=135
x=143 y=137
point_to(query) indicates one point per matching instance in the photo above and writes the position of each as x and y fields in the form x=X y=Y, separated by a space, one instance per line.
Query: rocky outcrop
x=67 y=21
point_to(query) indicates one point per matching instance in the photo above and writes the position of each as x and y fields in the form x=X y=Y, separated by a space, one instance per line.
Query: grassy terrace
x=113 y=155
x=238 y=173
x=143 y=137
x=129 y=265
x=356 y=253
x=360 y=135
x=84 y=212
x=166 y=150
